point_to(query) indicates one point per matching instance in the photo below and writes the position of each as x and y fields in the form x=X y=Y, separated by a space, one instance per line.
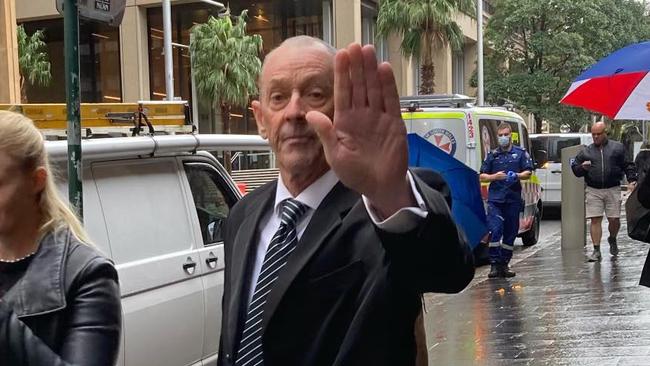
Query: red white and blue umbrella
x=618 y=86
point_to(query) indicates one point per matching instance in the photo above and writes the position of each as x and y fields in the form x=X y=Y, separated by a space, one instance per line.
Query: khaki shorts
x=607 y=200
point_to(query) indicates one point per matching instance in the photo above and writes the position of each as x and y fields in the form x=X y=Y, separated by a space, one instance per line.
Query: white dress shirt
x=402 y=221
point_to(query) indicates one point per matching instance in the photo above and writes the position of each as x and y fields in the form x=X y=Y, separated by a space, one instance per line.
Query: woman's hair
x=23 y=142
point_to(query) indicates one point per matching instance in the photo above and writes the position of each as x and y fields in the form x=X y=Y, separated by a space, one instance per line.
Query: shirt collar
x=312 y=196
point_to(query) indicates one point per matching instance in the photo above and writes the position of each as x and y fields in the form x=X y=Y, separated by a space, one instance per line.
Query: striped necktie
x=282 y=244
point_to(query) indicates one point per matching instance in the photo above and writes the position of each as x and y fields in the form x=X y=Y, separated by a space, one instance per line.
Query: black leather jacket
x=65 y=310
x=607 y=165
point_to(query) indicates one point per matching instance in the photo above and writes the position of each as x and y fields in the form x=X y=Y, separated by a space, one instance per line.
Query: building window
x=99 y=63
x=458 y=73
x=274 y=20
x=328 y=22
x=369 y=30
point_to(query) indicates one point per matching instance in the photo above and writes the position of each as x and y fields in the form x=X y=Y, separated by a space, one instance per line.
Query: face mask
x=504 y=141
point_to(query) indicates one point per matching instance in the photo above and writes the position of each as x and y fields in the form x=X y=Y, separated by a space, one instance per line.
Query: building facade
x=125 y=64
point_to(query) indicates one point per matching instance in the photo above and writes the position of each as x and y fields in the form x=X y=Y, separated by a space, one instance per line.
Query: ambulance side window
x=488 y=135
x=524 y=138
x=516 y=138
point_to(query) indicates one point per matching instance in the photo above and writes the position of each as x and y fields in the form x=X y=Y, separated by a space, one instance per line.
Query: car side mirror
x=541 y=157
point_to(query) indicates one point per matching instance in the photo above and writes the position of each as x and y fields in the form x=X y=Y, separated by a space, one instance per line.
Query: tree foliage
x=425 y=26
x=539 y=46
x=225 y=64
x=33 y=60
x=225 y=60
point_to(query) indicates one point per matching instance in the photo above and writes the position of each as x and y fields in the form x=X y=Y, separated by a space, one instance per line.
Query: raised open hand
x=366 y=143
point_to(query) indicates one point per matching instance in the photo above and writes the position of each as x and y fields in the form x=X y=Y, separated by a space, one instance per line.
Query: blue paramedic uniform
x=504 y=200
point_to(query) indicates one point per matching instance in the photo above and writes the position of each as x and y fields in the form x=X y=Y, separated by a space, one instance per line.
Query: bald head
x=302 y=43
x=599 y=133
x=598 y=127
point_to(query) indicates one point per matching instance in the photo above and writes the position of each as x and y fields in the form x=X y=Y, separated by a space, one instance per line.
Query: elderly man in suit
x=326 y=265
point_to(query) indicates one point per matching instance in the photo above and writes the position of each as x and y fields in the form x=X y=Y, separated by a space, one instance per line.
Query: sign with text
x=109 y=12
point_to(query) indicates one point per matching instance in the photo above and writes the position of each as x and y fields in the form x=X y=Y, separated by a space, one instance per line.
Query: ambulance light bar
x=412 y=103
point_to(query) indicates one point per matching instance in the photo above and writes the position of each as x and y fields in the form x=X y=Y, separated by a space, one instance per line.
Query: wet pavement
x=558 y=310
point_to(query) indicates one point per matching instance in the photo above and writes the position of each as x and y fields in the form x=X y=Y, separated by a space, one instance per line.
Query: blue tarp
x=467 y=204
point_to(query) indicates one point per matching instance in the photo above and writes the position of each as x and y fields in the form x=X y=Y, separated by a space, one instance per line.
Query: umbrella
x=618 y=86
x=467 y=204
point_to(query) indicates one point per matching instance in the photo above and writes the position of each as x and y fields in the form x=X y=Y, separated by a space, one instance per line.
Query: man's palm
x=366 y=143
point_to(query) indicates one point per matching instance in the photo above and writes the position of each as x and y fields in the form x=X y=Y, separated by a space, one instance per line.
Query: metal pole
x=73 y=106
x=167 y=49
x=479 y=50
x=195 y=100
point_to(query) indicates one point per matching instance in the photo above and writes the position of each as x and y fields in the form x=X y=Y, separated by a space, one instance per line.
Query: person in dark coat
x=642 y=162
x=603 y=164
x=59 y=297
x=434 y=180
x=326 y=265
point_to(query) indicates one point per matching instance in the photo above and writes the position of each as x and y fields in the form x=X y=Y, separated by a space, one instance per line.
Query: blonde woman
x=59 y=297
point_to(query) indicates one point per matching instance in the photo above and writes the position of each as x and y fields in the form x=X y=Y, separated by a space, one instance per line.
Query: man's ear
x=259 y=119
x=39 y=179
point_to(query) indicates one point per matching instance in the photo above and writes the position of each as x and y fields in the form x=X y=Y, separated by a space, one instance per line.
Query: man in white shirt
x=326 y=266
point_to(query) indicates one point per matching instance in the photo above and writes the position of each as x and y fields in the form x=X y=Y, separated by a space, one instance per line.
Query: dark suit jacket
x=349 y=293
x=434 y=180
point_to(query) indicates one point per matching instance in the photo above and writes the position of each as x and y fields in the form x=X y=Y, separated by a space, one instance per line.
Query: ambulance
x=468 y=133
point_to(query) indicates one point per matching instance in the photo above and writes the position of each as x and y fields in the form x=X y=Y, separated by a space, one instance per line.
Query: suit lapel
x=244 y=247
x=325 y=220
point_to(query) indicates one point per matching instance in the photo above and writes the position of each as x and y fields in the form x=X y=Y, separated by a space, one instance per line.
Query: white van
x=550 y=174
x=155 y=206
x=468 y=134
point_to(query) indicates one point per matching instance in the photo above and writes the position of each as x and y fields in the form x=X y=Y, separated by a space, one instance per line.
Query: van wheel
x=531 y=236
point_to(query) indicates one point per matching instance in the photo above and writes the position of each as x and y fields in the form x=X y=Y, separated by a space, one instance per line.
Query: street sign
x=109 y=12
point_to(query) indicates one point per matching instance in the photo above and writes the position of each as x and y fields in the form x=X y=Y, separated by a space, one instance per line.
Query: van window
x=144 y=208
x=553 y=145
x=557 y=143
x=211 y=200
x=539 y=143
